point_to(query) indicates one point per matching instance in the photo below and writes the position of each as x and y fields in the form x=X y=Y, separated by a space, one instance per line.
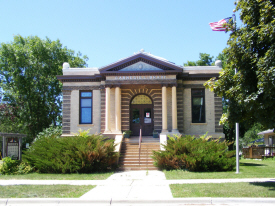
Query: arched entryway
x=141 y=115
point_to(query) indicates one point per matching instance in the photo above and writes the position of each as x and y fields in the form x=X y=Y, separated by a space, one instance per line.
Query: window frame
x=80 y=107
x=196 y=96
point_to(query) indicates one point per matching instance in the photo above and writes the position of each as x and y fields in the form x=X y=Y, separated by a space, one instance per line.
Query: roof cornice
x=164 y=65
x=80 y=78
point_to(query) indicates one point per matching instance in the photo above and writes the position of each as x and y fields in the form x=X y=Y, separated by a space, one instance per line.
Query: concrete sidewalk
x=135 y=188
x=126 y=178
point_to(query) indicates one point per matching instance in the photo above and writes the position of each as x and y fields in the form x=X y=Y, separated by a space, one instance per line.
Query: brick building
x=141 y=91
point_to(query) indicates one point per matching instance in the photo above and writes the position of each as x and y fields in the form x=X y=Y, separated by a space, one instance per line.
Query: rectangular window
x=198 y=106
x=86 y=107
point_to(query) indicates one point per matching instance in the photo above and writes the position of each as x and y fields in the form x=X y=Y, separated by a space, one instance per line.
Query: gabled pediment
x=140 y=66
x=141 y=63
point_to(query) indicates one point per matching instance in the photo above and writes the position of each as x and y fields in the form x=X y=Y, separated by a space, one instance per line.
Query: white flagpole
x=237 y=124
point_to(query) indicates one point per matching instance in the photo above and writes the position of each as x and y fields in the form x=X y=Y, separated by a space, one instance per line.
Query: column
x=107 y=109
x=164 y=109
x=174 y=110
x=118 y=109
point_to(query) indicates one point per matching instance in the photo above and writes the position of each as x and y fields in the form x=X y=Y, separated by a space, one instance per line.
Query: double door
x=141 y=118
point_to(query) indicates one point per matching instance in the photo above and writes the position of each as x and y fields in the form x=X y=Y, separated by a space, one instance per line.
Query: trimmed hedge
x=195 y=154
x=78 y=154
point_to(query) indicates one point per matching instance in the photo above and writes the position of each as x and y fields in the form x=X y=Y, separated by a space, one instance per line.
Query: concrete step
x=133 y=158
x=136 y=160
x=136 y=163
x=136 y=168
x=142 y=146
x=137 y=151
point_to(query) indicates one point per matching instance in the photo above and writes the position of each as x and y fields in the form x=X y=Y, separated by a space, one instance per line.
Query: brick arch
x=128 y=94
x=145 y=91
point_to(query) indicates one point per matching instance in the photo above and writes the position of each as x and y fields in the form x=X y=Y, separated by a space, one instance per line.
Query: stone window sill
x=85 y=125
x=198 y=123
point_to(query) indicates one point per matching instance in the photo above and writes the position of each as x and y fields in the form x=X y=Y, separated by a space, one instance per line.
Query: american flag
x=219 y=26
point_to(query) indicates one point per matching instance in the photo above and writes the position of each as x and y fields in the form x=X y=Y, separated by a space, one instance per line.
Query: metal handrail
x=139 y=142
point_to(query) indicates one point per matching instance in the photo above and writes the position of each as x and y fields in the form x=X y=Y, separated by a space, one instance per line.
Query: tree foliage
x=205 y=60
x=28 y=67
x=251 y=135
x=251 y=51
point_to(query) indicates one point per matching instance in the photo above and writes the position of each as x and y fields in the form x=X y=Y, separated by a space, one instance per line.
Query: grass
x=44 y=191
x=243 y=189
x=248 y=169
x=38 y=176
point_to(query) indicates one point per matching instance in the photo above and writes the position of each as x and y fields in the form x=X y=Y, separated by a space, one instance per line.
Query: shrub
x=81 y=153
x=14 y=167
x=50 y=132
x=24 y=168
x=9 y=166
x=195 y=154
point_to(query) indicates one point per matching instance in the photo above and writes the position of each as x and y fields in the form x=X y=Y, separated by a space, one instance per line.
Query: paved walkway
x=132 y=185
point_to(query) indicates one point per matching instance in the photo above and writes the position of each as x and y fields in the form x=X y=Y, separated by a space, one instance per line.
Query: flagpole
x=237 y=124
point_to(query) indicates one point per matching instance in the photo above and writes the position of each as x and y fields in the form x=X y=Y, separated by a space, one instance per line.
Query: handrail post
x=140 y=139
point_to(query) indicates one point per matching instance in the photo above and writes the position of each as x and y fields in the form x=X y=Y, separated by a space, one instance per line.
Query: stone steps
x=130 y=158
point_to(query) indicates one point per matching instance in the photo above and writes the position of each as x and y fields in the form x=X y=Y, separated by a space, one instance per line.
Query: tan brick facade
x=150 y=83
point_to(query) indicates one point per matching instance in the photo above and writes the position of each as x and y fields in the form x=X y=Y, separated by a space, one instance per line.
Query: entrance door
x=141 y=116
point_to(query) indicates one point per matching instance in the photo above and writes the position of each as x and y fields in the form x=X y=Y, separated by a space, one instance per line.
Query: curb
x=181 y=201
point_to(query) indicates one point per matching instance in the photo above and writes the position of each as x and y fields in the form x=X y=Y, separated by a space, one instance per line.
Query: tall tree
x=251 y=51
x=205 y=60
x=29 y=67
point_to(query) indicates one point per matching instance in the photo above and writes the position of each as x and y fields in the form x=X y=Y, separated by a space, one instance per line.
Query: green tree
x=28 y=67
x=251 y=135
x=8 y=119
x=251 y=51
x=205 y=60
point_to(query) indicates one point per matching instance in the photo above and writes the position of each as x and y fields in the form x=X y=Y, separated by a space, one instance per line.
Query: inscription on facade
x=139 y=77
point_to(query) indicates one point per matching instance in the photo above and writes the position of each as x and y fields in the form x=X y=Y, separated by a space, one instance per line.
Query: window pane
x=197 y=100
x=86 y=94
x=147 y=116
x=142 y=99
x=86 y=115
x=136 y=116
x=197 y=92
x=86 y=102
x=198 y=107
x=198 y=114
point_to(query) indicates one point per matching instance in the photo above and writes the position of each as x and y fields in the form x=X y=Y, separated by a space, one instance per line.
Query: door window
x=136 y=119
x=147 y=116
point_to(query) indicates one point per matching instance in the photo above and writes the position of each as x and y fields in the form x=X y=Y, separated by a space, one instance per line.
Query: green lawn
x=44 y=191
x=37 y=176
x=242 y=189
x=248 y=169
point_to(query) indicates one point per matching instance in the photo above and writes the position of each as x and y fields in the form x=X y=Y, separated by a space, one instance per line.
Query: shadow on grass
x=251 y=164
x=269 y=184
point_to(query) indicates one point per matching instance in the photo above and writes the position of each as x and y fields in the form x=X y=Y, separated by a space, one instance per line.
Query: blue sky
x=107 y=31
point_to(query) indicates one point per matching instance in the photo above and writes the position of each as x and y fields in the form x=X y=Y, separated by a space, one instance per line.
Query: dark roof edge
x=150 y=58
x=88 y=78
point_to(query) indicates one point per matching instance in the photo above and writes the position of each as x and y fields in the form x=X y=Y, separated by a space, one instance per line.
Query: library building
x=144 y=94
